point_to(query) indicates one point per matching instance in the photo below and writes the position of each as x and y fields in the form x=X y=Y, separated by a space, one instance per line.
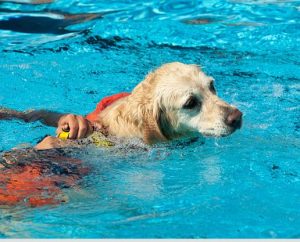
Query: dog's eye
x=191 y=103
x=212 y=87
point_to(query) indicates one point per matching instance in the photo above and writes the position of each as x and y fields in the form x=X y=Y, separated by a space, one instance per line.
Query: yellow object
x=96 y=138
x=100 y=141
x=64 y=135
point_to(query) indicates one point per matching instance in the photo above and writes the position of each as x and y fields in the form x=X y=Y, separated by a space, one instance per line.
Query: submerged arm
x=48 y=118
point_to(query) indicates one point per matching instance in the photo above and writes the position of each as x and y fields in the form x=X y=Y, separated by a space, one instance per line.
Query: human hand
x=78 y=126
x=50 y=142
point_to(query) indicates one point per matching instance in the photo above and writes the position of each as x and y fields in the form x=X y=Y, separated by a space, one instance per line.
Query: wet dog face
x=187 y=102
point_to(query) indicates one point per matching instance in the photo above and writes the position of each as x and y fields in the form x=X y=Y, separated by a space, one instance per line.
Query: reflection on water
x=42 y=22
x=200 y=21
x=27 y=1
x=32 y=23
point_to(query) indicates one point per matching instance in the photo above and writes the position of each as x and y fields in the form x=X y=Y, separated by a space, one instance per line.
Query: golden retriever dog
x=175 y=101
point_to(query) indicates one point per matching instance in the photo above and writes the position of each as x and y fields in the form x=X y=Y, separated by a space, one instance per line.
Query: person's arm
x=46 y=117
x=78 y=126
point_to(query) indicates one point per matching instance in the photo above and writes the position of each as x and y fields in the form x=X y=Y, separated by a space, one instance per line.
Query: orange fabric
x=105 y=102
x=28 y=186
x=32 y=186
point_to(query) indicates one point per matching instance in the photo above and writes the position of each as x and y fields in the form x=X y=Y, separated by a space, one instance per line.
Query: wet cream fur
x=154 y=111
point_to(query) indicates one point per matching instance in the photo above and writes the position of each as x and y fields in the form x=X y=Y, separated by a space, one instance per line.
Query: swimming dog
x=175 y=101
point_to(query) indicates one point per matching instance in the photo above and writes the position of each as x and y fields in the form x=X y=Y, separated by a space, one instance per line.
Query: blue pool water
x=66 y=55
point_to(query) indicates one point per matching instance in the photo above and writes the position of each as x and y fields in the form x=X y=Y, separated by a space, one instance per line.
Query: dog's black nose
x=234 y=119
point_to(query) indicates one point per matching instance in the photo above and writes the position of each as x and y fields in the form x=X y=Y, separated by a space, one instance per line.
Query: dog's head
x=182 y=100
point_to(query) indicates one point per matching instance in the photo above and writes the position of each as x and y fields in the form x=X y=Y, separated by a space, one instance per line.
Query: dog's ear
x=152 y=128
x=151 y=112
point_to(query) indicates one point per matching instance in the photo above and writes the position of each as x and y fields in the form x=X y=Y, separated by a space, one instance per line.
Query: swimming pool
x=66 y=55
